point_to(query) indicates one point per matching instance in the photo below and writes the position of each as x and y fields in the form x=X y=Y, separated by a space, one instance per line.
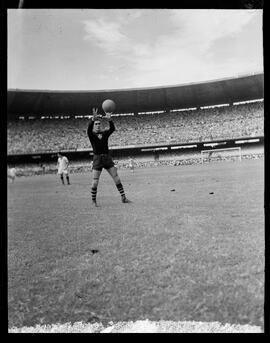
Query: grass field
x=176 y=253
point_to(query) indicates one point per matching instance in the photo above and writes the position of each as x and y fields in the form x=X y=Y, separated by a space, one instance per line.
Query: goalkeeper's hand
x=95 y=114
x=108 y=115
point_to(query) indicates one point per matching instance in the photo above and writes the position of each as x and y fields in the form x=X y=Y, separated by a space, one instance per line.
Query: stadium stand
x=50 y=135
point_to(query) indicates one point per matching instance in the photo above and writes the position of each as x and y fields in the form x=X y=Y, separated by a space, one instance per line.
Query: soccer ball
x=108 y=106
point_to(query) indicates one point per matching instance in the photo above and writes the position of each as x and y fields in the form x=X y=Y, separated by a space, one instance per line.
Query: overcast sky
x=95 y=49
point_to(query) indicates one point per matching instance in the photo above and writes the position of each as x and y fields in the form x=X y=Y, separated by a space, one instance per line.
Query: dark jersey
x=99 y=141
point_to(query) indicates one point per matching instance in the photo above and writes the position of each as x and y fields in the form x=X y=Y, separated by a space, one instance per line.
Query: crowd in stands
x=47 y=135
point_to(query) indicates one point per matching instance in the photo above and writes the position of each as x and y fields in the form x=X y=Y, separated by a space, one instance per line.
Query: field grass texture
x=190 y=247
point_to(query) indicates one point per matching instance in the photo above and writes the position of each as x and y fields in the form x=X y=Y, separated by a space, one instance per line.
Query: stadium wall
x=146 y=152
x=38 y=103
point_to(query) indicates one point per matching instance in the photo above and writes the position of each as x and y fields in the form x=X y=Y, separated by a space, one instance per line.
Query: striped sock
x=121 y=189
x=94 y=193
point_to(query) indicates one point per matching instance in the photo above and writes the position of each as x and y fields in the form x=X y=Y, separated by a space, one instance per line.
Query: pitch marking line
x=141 y=326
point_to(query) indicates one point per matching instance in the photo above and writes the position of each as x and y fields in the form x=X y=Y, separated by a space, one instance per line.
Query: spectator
x=50 y=135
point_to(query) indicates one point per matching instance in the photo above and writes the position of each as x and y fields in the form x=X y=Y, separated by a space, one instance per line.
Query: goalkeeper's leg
x=95 y=180
x=113 y=172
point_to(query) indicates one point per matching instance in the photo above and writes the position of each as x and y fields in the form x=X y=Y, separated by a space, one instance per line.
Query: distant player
x=62 y=166
x=102 y=158
x=210 y=155
x=91 y=166
x=12 y=174
x=43 y=168
x=131 y=164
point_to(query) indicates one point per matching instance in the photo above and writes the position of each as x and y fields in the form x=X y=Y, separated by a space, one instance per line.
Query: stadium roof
x=51 y=102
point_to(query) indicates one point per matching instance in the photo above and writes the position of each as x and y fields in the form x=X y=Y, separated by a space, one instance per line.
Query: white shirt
x=62 y=163
x=12 y=172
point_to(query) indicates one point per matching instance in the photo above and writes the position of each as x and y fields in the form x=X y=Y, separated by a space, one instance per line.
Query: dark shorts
x=102 y=161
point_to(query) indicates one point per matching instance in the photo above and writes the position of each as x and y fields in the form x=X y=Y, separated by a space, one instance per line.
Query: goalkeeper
x=102 y=159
